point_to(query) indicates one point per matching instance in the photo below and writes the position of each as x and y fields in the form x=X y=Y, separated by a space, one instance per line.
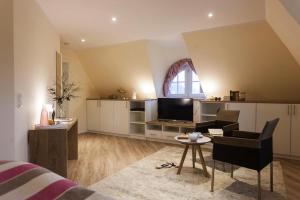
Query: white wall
x=35 y=46
x=6 y=81
x=163 y=53
x=78 y=75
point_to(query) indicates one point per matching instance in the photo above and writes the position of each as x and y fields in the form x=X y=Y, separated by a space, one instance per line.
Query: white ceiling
x=142 y=19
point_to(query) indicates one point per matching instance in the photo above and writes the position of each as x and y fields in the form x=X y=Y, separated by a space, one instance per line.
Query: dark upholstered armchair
x=226 y=120
x=247 y=149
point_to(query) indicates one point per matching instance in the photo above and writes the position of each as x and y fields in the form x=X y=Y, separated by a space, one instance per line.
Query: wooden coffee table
x=195 y=146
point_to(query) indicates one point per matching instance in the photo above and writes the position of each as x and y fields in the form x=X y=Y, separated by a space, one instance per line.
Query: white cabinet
x=121 y=117
x=281 y=135
x=247 y=115
x=295 y=130
x=107 y=115
x=93 y=115
x=114 y=116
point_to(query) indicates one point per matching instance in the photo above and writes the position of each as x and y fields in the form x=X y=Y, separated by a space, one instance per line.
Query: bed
x=21 y=180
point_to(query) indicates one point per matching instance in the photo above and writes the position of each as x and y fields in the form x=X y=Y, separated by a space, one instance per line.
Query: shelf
x=137 y=106
x=142 y=123
x=137 y=128
x=137 y=111
x=137 y=117
x=208 y=115
x=154 y=127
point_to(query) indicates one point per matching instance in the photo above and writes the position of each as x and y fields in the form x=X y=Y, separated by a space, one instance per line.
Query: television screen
x=175 y=109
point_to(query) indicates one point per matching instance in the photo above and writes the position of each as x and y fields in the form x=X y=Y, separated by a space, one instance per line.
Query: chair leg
x=271 y=176
x=231 y=170
x=258 y=187
x=213 y=176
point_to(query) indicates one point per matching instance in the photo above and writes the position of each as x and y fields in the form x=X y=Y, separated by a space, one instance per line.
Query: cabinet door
x=93 y=115
x=295 y=130
x=196 y=112
x=247 y=115
x=281 y=135
x=107 y=116
x=150 y=110
x=121 y=117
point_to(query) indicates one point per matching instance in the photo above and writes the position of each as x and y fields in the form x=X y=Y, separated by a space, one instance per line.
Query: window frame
x=188 y=87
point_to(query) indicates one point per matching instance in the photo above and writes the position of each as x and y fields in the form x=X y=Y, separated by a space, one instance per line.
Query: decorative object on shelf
x=234 y=95
x=242 y=96
x=212 y=98
x=68 y=93
x=218 y=98
x=134 y=95
x=53 y=115
x=122 y=93
x=44 y=117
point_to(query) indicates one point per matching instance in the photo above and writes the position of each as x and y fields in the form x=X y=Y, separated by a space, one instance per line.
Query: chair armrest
x=237 y=142
x=231 y=127
x=205 y=124
x=245 y=134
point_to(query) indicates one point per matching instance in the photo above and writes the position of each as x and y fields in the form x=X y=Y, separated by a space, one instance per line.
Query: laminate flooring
x=103 y=155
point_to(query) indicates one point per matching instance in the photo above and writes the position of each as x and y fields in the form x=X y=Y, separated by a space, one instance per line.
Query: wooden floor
x=101 y=156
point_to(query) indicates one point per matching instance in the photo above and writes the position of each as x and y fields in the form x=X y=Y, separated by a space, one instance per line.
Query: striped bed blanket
x=21 y=180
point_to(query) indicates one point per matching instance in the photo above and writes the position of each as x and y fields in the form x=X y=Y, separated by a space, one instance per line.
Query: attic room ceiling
x=142 y=19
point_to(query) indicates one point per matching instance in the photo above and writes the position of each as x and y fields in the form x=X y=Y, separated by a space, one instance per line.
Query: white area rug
x=141 y=181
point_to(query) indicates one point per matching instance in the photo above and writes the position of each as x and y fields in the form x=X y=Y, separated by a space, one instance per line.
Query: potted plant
x=68 y=93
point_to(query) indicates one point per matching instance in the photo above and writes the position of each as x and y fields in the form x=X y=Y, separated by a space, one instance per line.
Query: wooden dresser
x=53 y=147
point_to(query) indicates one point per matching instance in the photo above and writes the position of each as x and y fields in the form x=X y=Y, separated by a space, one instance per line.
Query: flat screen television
x=175 y=109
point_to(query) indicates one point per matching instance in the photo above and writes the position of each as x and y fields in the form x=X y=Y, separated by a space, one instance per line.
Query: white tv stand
x=167 y=130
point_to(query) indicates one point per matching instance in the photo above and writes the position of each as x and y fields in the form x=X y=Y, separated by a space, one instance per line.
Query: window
x=186 y=84
x=181 y=80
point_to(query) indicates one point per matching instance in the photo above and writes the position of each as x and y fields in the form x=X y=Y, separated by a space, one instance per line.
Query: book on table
x=215 y=132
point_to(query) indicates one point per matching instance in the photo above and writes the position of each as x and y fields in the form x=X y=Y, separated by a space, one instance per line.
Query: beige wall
x=284 y=25
x=35 y=45
x=123 y=65
x=6 y=81
x=78 y=75
x=162 y=54
x=247 y=57
x=293 y=7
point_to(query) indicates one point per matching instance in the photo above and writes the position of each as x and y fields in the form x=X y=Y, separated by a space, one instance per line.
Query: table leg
x=194 y=155
x=183 y=158
x=202 y=161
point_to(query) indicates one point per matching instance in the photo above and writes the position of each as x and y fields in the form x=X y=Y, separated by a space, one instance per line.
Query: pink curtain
x=176 y=68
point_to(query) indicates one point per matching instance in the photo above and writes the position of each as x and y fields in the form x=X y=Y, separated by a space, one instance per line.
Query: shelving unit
x=208 y=110
x=137 y=121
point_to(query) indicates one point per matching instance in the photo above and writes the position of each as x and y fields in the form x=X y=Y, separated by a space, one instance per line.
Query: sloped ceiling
x=248 y=57
x=124 y=65
x=284 y=25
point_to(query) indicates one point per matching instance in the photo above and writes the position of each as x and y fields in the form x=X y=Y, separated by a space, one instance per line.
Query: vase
x=60 y=111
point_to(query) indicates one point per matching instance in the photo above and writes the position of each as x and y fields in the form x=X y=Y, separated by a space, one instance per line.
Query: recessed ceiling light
x=83 y=40
x=210 y=15
x=114 y=19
